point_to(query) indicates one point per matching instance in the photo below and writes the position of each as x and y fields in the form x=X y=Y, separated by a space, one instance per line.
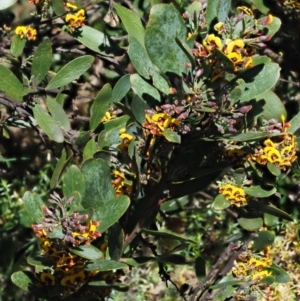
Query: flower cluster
x=125 y=140
x=156 y=123
x=239 y=48
x=120 y=183
x=75 y=20
x=234 y=50
x=59 y=233
x=279 y=151
x=234 y=194
x=26 y=32
x=252 y=267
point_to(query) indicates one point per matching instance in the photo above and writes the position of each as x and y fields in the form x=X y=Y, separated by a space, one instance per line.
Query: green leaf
x=17 y=45
x=269 y=209
x=58 y=7
x=71 y=71
x=97 y=178
x=132 y=22
x=295 y=124
x=40 y=261
x=259 y=192
x=138 y=107
x=26 y=281
x=250 y=224
x=166 y=234
x=41 y=61
x=164 y=26
x=105 y=265
x=139 y=58
x=270 y=220
x=47 y=124
x=121 y=88
x=11 y=86
x=200 y=268
x=264 y=239
x=271 y=28
x=268 y=105
x=33 y=205
x=220 y=202
x=280 y=275
x=109 y=213
x=94 y=40
x=217 y=10
x=90 y=149
x=87 y=251
x=160 y=82
x=73 y=180
x=100 y=106
x=115 y=241
x=274 y=170
x=261 y=6
x=60 y=166
x=145 y=91
x=250 y=136
x=259 y=79
x=58 y=114
x=172 y=136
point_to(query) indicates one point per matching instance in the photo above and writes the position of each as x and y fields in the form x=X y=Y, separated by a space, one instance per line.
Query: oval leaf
x=94 y=40
x=17 y=45
x=264 y=239
x=41 y=61
x=121 y=88
x=132 y=22
x=10 y=85
x=220 y=202
x=99 y=190
x=71 y=71
x=250 y=224
x=58 y=114
x=100 y=106
x=47 y=124
x=164 y=26
x=259 y=79
x=87 y=251
x=144 y=90
x=104 y=265
x=111 y=211
x=73 y=180
x=33 y=206
x=259 y=192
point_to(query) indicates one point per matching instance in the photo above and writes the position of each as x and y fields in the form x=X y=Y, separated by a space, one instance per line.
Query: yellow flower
x=108 y=117
x=212 y=42
x=31 y=33
x=75 y=20
x=26 y=32
x=244 y=9
x=260 y=275
x=282 y=153
x=234 y=194
x=233 y=45
x=157 y=123
x=21 y=31
x=48 y=278
x=219 y=27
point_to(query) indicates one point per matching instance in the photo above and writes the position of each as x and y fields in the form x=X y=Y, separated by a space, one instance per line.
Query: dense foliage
x=139 y=136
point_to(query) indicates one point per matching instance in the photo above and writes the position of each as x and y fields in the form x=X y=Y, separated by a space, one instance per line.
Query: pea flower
x=27 y=32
